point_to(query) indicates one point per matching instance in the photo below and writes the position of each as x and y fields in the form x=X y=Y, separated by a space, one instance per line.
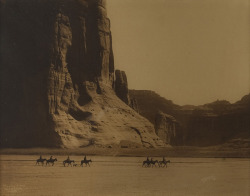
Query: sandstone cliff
x=57 y=78
x=216 y=123
x=121 y=86
x=209 y=124
x=122 y=91
x=167 y=128
x=150 y=103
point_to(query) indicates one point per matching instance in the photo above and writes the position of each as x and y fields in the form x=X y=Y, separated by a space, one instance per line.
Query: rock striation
x=216 y=123
x=209 y=124
x=166 y=127
x=149 y=103
x=121 y=86
x=57 y=78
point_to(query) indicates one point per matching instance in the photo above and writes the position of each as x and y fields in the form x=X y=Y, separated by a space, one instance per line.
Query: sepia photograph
x=124 y=98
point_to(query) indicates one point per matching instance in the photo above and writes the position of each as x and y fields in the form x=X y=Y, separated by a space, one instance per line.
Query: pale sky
x=188 y=51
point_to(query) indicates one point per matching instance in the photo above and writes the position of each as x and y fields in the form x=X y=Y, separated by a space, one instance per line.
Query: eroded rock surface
x=166 y=127
x=57 y=78
x=214 y=123
x=121 y=86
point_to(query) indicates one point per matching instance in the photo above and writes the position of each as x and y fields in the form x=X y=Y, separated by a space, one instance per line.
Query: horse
x=52 y=161
x=146 y=163
x=69 y=162
x=86 y=162
x=40 y=161
x=154 y=162
x=164 y=163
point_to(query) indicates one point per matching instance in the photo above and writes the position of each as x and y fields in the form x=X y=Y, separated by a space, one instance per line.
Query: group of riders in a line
x=154 y=163
x=67 y=162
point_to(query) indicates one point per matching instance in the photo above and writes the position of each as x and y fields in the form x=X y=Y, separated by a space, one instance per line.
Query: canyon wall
x=167 y=128
x=57 y=78
x=121 y=86
x=210 y=124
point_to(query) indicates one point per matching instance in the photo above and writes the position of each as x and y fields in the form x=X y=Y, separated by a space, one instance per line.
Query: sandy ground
x=111 y=176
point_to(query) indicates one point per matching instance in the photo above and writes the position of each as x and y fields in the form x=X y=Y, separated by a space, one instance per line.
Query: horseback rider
x=163 y=159
x=51 y=157
x=40 y=157
x=85 y=158
x=68 y=159
x=147 y=159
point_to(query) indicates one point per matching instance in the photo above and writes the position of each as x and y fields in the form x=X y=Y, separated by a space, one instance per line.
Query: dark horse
x=164 y=163
x=69 y=162
x=52 y=161
x=146 y=163
x=154 y=162
x=86 y=162
x=40 y=161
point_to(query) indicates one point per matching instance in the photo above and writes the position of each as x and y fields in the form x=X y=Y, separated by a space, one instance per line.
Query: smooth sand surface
x=111 y=176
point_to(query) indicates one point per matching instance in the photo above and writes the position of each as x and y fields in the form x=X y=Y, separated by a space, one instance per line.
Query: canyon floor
x=112 y=175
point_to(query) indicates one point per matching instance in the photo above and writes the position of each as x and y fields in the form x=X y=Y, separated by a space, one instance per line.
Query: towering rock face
x=57 y=78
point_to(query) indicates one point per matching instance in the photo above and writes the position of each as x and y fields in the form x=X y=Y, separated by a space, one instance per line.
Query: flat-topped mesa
x=57 y=78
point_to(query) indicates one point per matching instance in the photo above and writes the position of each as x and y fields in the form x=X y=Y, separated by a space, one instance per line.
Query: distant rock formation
x=57 y=78
x=216 y=123
x=166 y=127
x=210 y=124
x=150 y=103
